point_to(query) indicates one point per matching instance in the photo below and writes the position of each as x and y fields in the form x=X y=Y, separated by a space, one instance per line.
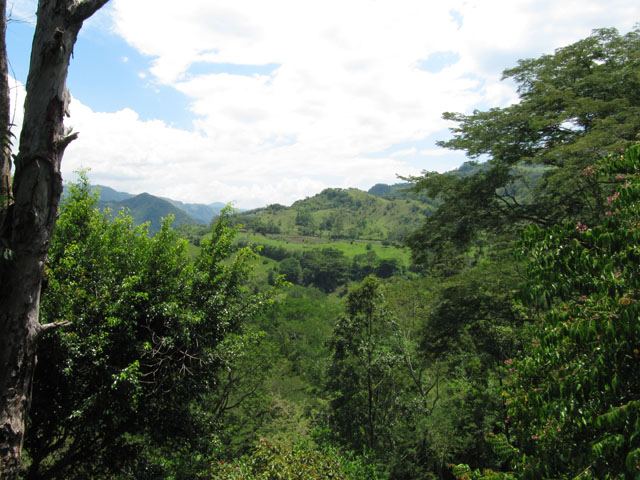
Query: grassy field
x=350 y=248
x=350 y=221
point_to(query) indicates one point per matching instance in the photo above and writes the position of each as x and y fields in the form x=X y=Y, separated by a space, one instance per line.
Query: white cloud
x=136 y=156
x=346 y=87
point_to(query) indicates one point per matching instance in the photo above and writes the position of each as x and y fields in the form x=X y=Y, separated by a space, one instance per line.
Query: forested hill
x=385 y=212
x=339 y=213
x=148 y=208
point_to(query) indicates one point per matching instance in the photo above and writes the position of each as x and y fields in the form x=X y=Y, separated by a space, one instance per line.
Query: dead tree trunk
x=29 y=221
x=5 y=112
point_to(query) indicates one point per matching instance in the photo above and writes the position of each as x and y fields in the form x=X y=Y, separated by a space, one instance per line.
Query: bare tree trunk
x=5 y=112
x=29 y=222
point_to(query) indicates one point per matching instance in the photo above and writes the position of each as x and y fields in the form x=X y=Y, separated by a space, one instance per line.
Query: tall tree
x=575 y=395
x=577 y=105
x=362 y=374
x=152 y=336
x=29 y=220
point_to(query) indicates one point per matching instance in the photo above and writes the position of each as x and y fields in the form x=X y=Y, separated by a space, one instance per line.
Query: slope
x=339 y=213
x=148 y=208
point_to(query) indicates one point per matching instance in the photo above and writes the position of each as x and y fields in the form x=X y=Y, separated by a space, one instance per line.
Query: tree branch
x=83 y=9
x=64 y=142
x=42 y=329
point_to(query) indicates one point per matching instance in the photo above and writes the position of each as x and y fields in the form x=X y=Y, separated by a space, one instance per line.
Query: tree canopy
x=576 y=106
x=575 y=395
x=141 y=351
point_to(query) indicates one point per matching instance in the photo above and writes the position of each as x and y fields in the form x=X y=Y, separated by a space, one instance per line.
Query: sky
x=257 y=102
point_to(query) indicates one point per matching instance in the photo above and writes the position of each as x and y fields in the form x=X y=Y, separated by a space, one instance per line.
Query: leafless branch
x=80 y=10
x=51 y=326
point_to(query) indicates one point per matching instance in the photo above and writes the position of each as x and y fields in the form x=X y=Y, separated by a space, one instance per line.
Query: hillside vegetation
x=338 y=213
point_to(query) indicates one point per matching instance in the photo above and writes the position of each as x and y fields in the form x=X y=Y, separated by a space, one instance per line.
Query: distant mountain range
x=385 y=211
x=149 y=208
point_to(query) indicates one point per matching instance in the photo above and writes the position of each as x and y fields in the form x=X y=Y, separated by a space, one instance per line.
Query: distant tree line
x=327 y=268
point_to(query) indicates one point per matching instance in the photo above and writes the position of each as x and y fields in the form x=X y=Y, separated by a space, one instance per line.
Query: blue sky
x=263 y=102
x=108 y=76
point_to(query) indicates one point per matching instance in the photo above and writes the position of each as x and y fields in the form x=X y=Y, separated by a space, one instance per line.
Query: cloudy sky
x=260 y=102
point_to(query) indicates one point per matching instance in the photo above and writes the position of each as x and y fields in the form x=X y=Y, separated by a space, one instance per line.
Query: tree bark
x=29 y=221
x=5 y=138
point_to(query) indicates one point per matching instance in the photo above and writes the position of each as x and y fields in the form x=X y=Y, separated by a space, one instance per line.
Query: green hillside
x=339 y=214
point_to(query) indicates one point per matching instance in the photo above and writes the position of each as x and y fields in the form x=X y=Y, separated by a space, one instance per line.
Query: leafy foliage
x=361 y=374
x=272 y=461
x=326 y=268
x=142 y=347
x=575 y=395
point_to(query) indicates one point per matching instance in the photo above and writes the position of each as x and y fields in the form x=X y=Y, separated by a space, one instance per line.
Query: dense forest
x=478 y=324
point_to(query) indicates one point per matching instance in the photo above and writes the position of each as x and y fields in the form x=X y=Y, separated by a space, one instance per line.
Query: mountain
x=525 y=177
x=402 y=190
x=201 y=212
x=385 y=212
x=108 y=194
x=148 y=208
x=396 y=191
